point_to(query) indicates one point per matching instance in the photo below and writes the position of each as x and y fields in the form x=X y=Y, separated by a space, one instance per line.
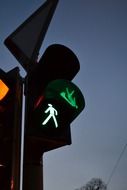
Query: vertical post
x=32 y=162
x=33 y=167
x=33 y=178
x=15 y=180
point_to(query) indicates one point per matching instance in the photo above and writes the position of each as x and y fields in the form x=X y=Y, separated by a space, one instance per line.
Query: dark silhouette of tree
x=94 y=184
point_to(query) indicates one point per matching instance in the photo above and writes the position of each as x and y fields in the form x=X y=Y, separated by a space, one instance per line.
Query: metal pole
x=32 y=162
x=33 y=178
x=15 y=179
x=33 y=167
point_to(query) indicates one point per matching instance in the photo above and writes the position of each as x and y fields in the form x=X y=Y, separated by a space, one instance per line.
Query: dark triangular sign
x=25 y=42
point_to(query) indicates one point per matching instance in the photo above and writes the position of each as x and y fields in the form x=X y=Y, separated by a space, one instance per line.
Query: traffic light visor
x=3 y=90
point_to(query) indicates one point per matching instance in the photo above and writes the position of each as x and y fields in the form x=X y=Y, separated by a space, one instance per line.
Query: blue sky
x=96 y=30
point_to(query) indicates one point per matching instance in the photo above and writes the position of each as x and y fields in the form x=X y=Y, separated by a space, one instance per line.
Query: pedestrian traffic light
x=10 y=128
x=63 y=101
x=53 y=101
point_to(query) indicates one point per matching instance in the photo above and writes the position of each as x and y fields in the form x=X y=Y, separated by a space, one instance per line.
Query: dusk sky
x=96 y=30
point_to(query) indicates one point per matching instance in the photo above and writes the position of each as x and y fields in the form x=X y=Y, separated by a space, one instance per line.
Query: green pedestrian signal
x=53 y=101
x=52 y=115
x=60 y=103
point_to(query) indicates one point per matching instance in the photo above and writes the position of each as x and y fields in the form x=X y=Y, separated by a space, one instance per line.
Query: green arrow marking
x=68 y=96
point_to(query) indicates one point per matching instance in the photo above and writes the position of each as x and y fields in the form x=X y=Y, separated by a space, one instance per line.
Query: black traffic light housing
x=10 y=128
x=57 y=62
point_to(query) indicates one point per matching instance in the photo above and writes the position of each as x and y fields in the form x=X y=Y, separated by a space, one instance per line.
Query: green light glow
x=68 y=96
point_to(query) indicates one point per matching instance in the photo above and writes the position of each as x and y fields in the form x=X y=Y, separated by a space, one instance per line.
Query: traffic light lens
x=3 y=90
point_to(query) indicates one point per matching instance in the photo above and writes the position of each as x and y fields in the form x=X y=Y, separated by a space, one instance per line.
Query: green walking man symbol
x=52 y=114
